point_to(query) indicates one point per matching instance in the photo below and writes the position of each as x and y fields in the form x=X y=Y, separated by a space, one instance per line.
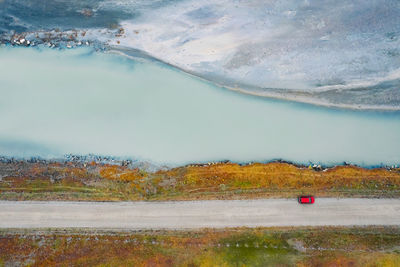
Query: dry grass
x=235 y=247
x=287 y=176
x=217 y=181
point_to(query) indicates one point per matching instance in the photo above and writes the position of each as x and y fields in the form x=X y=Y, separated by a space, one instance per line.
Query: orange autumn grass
x=114 y=172
x=68 y=181
x=284 y=175
x=274 y=175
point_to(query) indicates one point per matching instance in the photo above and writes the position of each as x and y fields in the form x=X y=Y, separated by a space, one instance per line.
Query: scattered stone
x=297 y=244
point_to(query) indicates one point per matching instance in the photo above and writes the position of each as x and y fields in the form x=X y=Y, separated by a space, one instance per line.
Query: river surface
x=54 y=102
x=341 y=53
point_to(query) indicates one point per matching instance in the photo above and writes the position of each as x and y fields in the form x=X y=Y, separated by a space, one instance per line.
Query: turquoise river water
x=54 y=102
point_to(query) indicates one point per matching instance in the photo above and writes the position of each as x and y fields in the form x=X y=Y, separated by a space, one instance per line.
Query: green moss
x=249 y=249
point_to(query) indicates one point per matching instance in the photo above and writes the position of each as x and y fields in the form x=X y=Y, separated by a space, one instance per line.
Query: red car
x=306 y=199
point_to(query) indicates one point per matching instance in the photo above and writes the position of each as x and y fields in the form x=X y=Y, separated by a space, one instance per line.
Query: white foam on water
x=79 y=101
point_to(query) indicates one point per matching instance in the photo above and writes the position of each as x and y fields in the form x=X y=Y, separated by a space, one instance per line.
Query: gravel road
x=199 y=214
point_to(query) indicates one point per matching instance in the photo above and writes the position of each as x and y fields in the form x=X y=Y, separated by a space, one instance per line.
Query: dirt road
x=199 y=214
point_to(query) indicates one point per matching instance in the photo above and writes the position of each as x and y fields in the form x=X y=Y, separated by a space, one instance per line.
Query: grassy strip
x=331 y=246
x=84 y=194
x=218 y=181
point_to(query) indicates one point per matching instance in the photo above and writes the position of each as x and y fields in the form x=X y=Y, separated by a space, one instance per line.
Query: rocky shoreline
x=85 y=160
x=52 y=39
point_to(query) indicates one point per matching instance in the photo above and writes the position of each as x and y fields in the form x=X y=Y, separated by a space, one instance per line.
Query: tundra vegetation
x=369 y=246
x=22 y=180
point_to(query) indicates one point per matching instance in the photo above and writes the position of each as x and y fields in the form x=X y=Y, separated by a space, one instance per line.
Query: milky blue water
x=342 y=53
x=54 y=102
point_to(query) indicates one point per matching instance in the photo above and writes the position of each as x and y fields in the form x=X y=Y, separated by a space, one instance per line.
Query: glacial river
x=54 y=102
